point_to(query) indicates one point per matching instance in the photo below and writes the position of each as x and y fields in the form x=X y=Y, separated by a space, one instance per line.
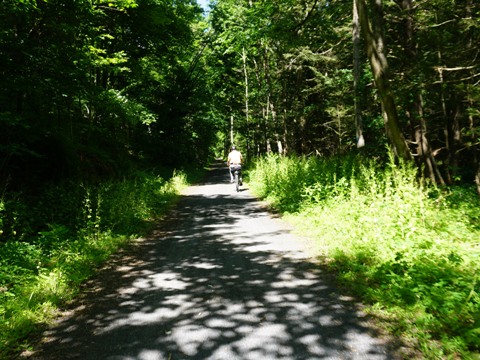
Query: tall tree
x=356 y=77
x=94 y=85
x=378 y=61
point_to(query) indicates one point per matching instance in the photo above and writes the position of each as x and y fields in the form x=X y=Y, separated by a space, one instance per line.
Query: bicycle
x=237 y=176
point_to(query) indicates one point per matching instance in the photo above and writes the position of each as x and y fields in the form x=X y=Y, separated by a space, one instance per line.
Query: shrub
x=411 y=251
x=43 y=271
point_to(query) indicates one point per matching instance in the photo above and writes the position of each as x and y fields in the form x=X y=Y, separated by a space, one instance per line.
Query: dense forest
x=321 y=77
x=90 y=86
x=98 y=91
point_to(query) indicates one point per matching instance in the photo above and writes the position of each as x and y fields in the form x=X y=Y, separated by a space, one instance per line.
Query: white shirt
x=234 y=158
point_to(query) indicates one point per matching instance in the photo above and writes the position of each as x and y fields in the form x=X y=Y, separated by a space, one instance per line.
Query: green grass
x=411 y=251
x=53 y=244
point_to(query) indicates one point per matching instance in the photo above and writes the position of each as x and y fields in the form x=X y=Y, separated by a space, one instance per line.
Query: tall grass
x=411 y=251
x=84 y=225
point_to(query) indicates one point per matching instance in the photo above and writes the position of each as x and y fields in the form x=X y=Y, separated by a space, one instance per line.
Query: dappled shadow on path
x=218 y=280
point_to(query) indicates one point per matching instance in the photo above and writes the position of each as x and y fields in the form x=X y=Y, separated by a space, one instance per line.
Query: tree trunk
x=471 y=121
x=417 y=120
x=476 y=152
x=244 y=58
x=356 y=77
x=476 y=147
x=231 y=130
x=270 y=106
x=378 y=62
x=449 y=143
x=286 y=147
x=424 y=150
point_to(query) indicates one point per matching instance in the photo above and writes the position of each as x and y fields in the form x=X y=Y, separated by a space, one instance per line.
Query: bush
x=80 y=227
x=411 y=251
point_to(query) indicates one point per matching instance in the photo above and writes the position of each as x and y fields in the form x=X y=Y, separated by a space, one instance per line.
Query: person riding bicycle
x=234 y=161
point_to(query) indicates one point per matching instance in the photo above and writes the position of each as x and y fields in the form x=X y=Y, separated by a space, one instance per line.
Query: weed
x=73 y=239
x=411 y=251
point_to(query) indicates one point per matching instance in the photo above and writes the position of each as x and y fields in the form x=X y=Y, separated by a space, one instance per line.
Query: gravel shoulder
x=219 y=279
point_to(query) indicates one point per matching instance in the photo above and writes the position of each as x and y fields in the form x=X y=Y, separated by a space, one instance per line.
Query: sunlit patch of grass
x=409 y=250
x=39 y=275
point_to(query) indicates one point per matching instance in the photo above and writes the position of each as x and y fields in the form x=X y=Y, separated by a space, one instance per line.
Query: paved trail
x=220 y=280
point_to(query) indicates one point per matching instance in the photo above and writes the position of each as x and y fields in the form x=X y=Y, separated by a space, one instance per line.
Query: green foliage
x=84 y=82
x=291 y=182
x=81 y=227
x=292 y=62
x=127 y=204
x=411 y=251
x=119 y=4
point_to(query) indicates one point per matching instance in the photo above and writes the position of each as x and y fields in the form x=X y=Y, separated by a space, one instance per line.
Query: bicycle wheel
x=237 y=184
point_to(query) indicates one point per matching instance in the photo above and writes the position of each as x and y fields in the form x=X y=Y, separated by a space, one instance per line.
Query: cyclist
x=234 y=162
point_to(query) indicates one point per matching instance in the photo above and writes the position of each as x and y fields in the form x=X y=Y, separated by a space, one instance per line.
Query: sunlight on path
x=221 y=280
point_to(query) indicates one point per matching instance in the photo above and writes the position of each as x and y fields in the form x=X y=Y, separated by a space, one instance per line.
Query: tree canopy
x=89 y=87
x=417 y=79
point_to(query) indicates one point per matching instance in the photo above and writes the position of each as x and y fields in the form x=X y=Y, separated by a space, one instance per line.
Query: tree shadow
x=217 y=280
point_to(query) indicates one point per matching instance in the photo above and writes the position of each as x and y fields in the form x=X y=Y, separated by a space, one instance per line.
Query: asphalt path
x=219 y=279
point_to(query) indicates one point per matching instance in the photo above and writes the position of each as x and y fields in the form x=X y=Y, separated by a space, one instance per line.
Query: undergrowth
x=409 y=250
x=52 y=243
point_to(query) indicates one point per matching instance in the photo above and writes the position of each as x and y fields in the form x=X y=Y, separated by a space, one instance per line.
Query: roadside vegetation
x=56 y=239
x=410 y=250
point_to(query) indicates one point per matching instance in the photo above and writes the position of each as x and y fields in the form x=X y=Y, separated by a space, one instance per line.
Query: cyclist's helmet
x=234 y=147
